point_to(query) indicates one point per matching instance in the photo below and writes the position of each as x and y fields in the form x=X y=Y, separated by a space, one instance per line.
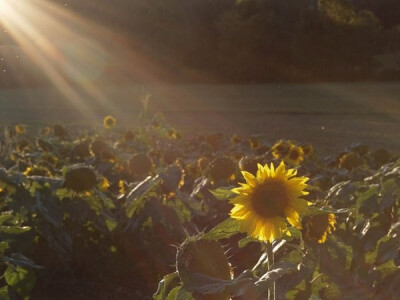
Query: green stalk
x=270 y=255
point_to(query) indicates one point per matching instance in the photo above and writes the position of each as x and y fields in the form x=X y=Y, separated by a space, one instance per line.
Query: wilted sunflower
x=317 y=227
x=264 y=200
x=109 y=122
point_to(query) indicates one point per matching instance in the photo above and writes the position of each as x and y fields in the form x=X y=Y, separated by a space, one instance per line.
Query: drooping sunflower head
x=129 y=136
x=308 y=149
x=281 y=148
x=173 y=134
x=254 y=142
x=296 y=155
x=266 y=200
x=140 y=164
x=317 y=227
x=350 y=161
x=80 y=178
x=109 y=122
x=46 y=131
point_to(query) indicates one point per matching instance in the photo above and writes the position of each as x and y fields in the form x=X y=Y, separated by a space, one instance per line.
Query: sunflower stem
x=270 y=255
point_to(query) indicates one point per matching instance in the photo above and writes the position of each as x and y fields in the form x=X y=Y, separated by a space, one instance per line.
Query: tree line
x=255 y=41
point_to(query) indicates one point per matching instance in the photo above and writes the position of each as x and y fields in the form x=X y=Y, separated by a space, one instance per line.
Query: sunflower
x=20 y=129
x=317 y=227
x=281 y=148
x=308 y=149
x=109 y=122
x=266 y=198
x=295 y=156
x=46 y=131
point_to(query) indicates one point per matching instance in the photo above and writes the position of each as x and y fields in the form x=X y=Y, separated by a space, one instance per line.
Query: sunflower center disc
x=269 y=199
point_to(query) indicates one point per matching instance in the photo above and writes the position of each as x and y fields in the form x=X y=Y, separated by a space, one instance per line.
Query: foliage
x=246 y=40
x=119 y=229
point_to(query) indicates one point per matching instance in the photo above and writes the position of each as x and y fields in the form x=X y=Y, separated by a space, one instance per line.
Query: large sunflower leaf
x=134 y=200
x=223 y=193
x=164 y=286
x=223 y=230
x=21 y=280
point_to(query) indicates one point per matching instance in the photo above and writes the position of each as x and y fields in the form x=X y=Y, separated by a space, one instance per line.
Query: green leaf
x=63 y=193
x=164 y=286
x=135 y=199
x=173 y=293
x=388 y=250
x=277 y=271
x=18 y=259
x=243 y=285
x=223 y=193
x=223 y=230
x=4 y=293
x=293 y=233
x=3 y=246
x=21 y=280
x=248 y=239
x=5 y=217
x=14 y=229
x=184 y=294
x=370 y=197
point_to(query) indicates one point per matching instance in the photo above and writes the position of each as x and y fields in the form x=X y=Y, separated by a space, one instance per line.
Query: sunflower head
x=45 y=146
x=308 y=149
x=173 y=134
x=81 y=149
x=46 y=131
x=295 y=155
x=350 y=161
x=129 y=136
x=222 y=168
x=361 y=149
x=249 y=163
x=60 y=132
x=140 y=164
x=80 y=178
x=37 y=171
x=97 y=147
x=203 y=163
x=382 y=156
x=22 y=145
x=170 y=156
x=214 y=140
x=20 y=129
x=109 y=122
x=281 y=148
x=254 y=142
x=203 y=256
x=235 y=139
x=317 y=227
x=266 y=200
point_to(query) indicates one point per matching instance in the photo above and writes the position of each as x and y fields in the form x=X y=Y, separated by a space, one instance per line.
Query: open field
x=101 y=212
x=331 y=116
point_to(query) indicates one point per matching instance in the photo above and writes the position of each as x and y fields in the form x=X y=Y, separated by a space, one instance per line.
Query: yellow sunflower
x=281 y=148
x=20 y=129
x=295 y=156
x=109 y=122
x=308 y=149
x=317 y=227
x=266 y=199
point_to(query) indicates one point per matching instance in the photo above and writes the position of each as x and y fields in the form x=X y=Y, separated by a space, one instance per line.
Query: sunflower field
x=110 y=212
